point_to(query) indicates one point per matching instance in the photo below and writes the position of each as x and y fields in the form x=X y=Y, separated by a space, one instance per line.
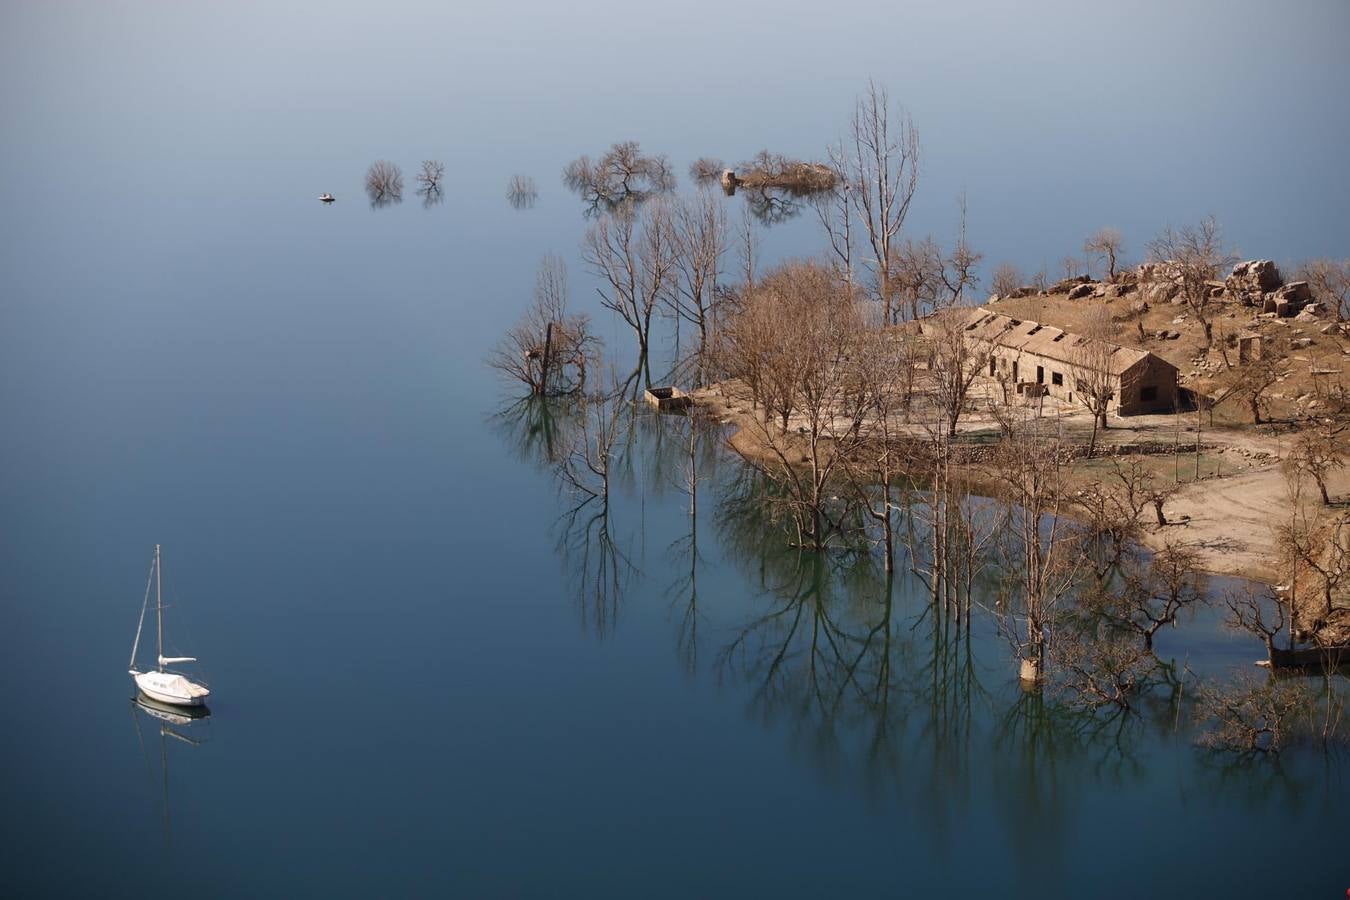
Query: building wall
x=1150 y=387
x=1132 y=391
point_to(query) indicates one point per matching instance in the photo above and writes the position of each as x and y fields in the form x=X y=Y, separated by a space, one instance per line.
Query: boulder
x=1139 y=307
x=1068 y=284
x=1296 y=292
x=1080 y=291
x=1159 y=291
x=1255 y=276
x=1025 y=290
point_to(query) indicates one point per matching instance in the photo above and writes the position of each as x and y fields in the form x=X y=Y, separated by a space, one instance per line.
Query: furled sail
x=170 y=660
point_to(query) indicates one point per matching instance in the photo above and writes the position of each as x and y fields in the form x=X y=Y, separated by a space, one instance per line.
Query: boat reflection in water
x=174 y=722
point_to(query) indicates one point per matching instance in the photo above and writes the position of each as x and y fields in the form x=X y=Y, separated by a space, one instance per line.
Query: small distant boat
x=327 y=198
x=161 y=684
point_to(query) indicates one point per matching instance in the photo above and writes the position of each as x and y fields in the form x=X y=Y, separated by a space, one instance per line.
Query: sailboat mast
x=159 y=614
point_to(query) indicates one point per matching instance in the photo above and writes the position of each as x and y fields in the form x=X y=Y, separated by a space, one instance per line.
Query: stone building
x=1040 y=358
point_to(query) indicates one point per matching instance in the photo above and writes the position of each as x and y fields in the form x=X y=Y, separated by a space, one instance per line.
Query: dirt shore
x=1228 y=512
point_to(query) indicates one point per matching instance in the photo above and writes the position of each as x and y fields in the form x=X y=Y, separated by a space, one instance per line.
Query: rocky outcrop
x=1068 y=284
x=1080 y=291
x=1254 y=277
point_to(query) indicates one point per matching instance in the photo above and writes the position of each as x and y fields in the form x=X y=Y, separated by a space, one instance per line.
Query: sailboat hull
x=167 y=687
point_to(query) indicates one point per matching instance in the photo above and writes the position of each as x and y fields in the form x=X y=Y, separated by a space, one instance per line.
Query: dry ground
x=1228 y=511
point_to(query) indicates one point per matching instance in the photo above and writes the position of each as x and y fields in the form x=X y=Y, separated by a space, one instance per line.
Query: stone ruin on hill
x=1255 y=283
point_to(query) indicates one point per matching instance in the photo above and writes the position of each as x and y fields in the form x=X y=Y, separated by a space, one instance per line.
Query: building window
x=992 y=363
x=1056 y=379
x=1148 y=394
x=1040 y=374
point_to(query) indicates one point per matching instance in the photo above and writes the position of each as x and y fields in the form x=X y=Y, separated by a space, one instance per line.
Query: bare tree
x=796 y=336
x=521 y=192
x=1093 y=370
x=548 y=350
x=1318 y=451
x=1329 y=281
x=925 y=278
x=700 y=239
x=1106 y=244
x=634 y=255
x=1256 y=376
x=880 y=166
x=622 y=176
x=954 y=366
x=430 y=176
x=1190 y=258
x=706 y=170
x=1155 y=594
x=1042 y=561
x=384 y=183
x=1252 y=716
x=1007 y=278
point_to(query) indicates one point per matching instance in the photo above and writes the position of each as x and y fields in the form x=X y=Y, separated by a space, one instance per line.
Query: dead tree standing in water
x=548 y=350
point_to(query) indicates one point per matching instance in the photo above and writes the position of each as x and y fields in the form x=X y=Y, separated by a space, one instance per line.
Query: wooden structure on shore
x=668 y=399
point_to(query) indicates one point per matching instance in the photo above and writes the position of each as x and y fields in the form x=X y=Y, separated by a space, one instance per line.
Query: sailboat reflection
x=170 y=719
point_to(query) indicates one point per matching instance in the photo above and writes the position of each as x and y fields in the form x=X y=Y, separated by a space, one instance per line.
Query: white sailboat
x=161 y=684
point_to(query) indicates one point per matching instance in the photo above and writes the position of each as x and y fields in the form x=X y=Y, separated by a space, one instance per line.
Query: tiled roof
x=1046 y=341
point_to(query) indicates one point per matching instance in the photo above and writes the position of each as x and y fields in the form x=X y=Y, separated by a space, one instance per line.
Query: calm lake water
x=427 y=677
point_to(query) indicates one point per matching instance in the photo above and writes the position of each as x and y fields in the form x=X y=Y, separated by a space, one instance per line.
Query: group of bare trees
x=384 y=182
x=623 y=176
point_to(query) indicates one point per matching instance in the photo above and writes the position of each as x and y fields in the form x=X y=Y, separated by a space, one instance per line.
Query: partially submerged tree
x=548 y=350
x=1252 y=716
x=1190 y=258
x=634 y=255
x=521 y=192
x=384 y=183
x=1106 y=244
x=622 y=176
x=700 y=240
x=430 y=176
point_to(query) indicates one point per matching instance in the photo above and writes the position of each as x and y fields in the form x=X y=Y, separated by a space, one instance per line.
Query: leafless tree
x=1256 y=376
x=430 y=176
x=955 y=364
x=634 y=256
x=1155 y=593
x=1190 y=258
x=700 y=239
x=384 y=183
x=1253 y=715
x=1318 y=451
x=795 y=335
x=834 y=210
x=1329 y=281
x=1007 y=278
x=521 y=192
x=880 y=166
x=548 y=350
x=622 y=177
x=1099 y=669
x=1092 y=368
x=1042 y=562
x=1106 y=244
x=706 y=170
x=925 y=278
